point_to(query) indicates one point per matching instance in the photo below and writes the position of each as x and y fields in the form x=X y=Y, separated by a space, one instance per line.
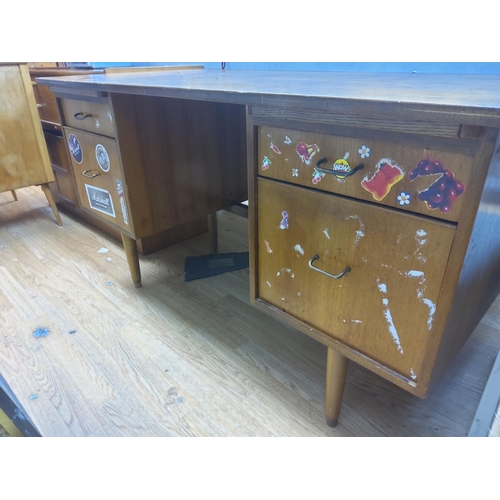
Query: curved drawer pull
x=316 y=257
x=337 y=173
x=82 y=116
x=84 y=173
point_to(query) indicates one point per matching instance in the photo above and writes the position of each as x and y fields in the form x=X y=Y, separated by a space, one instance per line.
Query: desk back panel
x=174 y=151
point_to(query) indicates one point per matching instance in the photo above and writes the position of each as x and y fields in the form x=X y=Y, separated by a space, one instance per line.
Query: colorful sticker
x=101 y=155
x=275 y=148
x=295 y=172
x=317 y=176
x=306 y=152
x=387 y=173
x=287 y=140
x=364 y=151
x=404 y=198
x=74 y=148
x=444 y=191
x=100 y=200
x=284 y=221
x=265 y=163
x=121 y=195
x=268 y=247
x=341 y=164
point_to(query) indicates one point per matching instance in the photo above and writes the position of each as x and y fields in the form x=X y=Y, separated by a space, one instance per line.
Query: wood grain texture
x=445 y=98
x=254 y=377
x=24 y=160
x=181 y=159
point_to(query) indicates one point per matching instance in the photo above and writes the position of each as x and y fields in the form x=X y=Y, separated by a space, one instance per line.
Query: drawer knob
x=85 y=174
x=82 y=116
x=337 y=173
x=335 y=277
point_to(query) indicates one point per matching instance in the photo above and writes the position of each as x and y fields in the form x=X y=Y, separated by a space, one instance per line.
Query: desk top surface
x=474 y=97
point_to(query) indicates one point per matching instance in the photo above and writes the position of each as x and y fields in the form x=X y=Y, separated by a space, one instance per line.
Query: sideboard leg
x=336 y=370
x=212 y=231
x=14 y=194
x=52 y=203
x=130 y=246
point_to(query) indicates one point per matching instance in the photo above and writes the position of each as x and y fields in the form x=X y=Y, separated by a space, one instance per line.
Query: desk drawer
x=57 y=151
x=385 y=306
x=98 y=176
x=403 y=176
x=90 y=116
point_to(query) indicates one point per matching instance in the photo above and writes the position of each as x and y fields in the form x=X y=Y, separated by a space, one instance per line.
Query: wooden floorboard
x=184 y=359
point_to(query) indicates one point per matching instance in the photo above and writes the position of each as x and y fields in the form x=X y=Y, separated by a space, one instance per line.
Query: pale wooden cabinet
x=24 y=160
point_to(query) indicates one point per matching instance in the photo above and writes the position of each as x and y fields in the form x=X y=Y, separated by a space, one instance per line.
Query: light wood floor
x=184 y=359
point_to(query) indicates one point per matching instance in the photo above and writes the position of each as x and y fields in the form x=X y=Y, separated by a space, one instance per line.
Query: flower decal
x=265 y=163
x=364 y=151
x=295 y=172
x=404 y=198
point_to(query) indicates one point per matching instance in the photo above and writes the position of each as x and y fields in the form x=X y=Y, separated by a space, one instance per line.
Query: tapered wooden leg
x=336 y=370
x=14 y=195
x=52 y=203
x=212 y=231
x=130 y=246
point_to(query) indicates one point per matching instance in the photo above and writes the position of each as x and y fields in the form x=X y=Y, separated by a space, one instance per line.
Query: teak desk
x=374 y=199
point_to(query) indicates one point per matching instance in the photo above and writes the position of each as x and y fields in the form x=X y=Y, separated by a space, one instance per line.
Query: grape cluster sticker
x=444 y=191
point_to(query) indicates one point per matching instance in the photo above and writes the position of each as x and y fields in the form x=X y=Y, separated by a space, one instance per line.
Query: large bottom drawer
x=368 y=276
x=98 y=176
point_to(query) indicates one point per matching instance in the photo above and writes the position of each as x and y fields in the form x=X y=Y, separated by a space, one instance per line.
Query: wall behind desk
x=391 y=67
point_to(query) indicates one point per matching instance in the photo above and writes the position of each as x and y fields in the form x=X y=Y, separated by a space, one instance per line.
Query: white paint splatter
x=286 y=270
x=356 y=321
x=299 y=249
x=282 y=298
x=412 y=374
x=268 y=247
x=414 y=274
x=278 y=273
x=327 y=234
x=430 y=305
x=421 y=233
x=361 y=231
x=298 y=294
x=103 y=250
x=388 y=316
x=269 y=284
x=344 y=321
x=364 y=259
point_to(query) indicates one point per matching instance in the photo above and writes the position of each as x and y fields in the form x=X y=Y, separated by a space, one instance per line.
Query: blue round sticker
x=74 y=148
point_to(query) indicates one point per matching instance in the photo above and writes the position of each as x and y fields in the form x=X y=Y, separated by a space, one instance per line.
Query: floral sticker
x=265 y=163
x=275 y=148
x=287 y=140
x=284 y=221
x=364 y=151
x=295 y=172
x=404 y=198
x=306 y=152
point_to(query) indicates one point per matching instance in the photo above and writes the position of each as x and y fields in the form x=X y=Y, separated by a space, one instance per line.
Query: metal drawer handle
x=82 y=116
x=84 y=173
x=316 y=257
x=337 y=173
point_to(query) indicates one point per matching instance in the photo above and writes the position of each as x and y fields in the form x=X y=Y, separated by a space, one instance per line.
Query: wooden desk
x=373 y=198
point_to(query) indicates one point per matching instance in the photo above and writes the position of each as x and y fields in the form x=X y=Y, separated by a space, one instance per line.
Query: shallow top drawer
x=88 y=115
x=400 y=175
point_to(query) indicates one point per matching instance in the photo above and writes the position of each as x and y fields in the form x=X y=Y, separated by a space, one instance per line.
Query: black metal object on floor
x=204 y=266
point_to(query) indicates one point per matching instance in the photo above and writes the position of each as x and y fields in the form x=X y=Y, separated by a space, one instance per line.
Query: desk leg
x=212 y=231
x=336 y=370
x=130 y=246
x=52 y=203
x=14 y=195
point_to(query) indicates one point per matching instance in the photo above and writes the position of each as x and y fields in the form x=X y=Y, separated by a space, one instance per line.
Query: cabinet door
x=385 y=305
